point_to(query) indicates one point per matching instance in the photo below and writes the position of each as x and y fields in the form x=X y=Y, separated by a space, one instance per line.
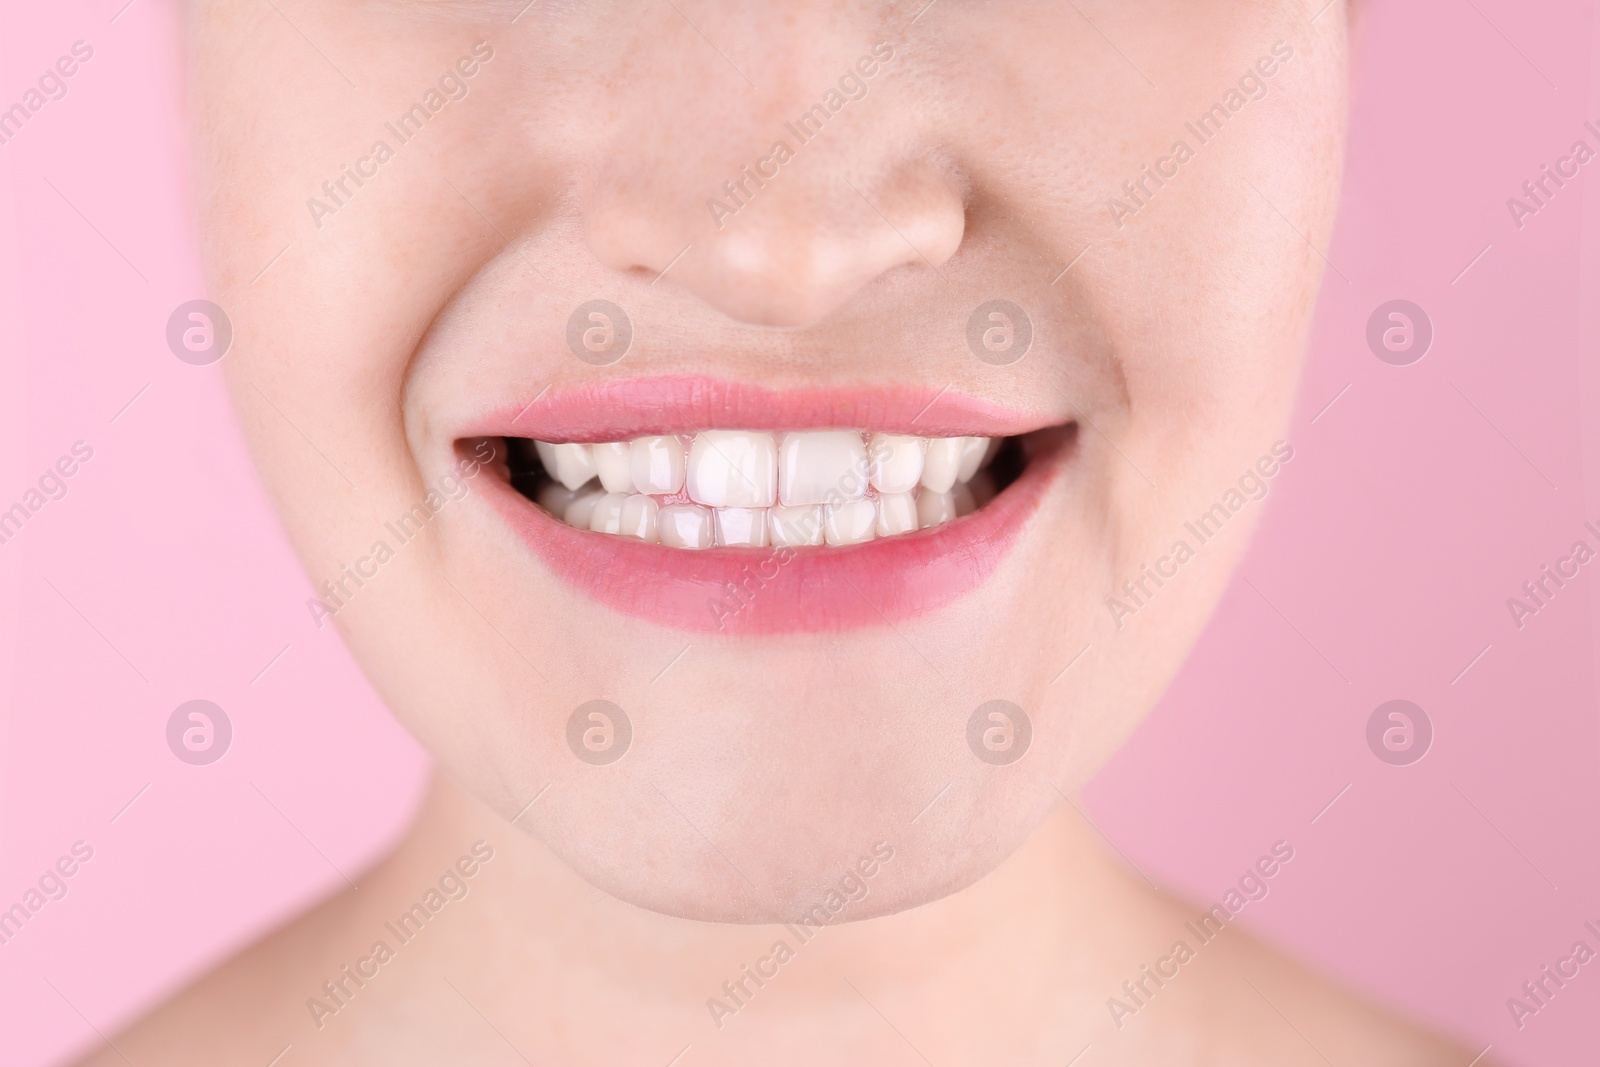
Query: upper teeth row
x=744 y=469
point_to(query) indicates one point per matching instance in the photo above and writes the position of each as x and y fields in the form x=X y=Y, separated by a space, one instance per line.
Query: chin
x=764 y=843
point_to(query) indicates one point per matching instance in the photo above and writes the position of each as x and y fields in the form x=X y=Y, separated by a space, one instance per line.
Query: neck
x=1050 y=926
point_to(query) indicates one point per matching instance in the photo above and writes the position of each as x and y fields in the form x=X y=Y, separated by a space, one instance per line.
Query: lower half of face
x=754 y=464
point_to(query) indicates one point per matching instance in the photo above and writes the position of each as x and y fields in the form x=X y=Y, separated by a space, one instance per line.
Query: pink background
x=1387 y=554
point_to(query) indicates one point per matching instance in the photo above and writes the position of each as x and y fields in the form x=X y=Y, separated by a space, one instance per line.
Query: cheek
x=328 y=306
x=1215 y=282
x=1202 y=285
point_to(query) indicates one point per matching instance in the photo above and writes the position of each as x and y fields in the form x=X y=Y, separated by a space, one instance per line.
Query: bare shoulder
x=246 y=1011
x=1328 y=1021
x=285 y=1000
x=1237 y=1000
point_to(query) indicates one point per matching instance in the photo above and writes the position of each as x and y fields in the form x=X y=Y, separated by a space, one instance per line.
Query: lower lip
x=784 y=590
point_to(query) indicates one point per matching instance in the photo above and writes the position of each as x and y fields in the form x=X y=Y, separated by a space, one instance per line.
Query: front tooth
x=896 y=462
x=941 y=464
x=741 y=527
x=570 y=464
x=935 y=508
x=897 y=514
x=820 y=467
x=611 y=462
x=657 y=465
x=973 y=451
x=607 y=515
x=685 y=526
x=850 y=524
x=581 y=509
x=794 y=526
x=639 y=516
x=733 y=469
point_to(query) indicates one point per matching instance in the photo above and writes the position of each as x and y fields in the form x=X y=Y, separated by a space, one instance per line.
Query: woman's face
x=1090 y=229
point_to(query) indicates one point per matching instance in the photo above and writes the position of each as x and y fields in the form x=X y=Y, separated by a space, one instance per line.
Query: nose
x=786 y=255
x=766 y=204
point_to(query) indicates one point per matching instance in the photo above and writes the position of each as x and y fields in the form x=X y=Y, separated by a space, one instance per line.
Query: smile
x=747 y=489
x=659 y=499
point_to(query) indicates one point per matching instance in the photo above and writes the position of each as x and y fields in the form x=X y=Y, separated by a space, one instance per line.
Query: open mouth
x=752 y=489
x=677 y=501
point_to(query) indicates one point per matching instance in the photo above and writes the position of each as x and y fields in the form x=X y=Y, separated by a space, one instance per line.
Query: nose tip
x=791 y=254
x=798 y=262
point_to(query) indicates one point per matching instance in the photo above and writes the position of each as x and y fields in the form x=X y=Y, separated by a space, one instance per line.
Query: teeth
x=685 y=526
x=581 y=508
x=555 y=497
x=794 y=526
x=741 y=527
x=897 y=514
x=657 y=465
x=973 y=452
x=733 y=469
x=639 y=515
x=819 y=468
x=607 y=514
x=571 y=465
x=850 y=524
x=611 y=462
x=896 y=462
x=935 y=508
x=744 y=489
x=942 y=463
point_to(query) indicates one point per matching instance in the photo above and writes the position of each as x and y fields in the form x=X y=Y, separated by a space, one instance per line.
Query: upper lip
x=634 y=407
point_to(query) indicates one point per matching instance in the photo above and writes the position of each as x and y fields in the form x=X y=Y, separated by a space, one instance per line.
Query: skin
x=979 y=164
